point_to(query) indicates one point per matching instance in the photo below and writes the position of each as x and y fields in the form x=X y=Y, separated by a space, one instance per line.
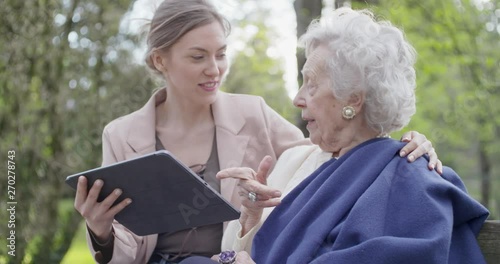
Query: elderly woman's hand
x=417 y=146
x=254 y=192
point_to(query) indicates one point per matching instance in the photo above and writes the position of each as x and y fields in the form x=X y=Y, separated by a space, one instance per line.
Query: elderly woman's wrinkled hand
x=253 y=190
x=252 y=186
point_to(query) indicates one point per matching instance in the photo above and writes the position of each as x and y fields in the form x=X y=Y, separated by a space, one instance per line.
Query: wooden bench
x=489 y=241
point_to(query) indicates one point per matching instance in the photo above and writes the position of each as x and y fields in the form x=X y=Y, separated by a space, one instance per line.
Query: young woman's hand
x=417 y=146
x=99 y=216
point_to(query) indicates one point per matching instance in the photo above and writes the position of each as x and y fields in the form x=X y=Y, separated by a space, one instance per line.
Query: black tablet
x=166 y=195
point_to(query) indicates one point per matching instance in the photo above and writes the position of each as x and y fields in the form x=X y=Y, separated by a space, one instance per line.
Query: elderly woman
x=364 y=204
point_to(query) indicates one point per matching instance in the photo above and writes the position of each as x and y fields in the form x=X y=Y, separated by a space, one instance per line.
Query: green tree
x=65 y=71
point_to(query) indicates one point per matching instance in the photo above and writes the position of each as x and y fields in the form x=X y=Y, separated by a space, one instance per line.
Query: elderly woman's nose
x=299 y=101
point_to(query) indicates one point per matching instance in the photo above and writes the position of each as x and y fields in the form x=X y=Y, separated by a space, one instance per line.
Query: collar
x=142 y=131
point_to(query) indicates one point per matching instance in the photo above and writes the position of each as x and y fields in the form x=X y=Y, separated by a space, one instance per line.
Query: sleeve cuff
x=104 y=251
x=245 y=242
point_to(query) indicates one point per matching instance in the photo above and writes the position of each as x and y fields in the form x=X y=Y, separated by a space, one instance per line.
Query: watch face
x=227 y=257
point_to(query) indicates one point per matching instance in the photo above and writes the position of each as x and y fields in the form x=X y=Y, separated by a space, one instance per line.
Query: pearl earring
x=348 y=112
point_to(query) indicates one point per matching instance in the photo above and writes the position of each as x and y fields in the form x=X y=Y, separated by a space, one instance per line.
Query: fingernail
x=402 y=153
x=129 y=201
x=277 y=193
x=81 y=179
x=411 y=158
x=118 y=191
x=406 y=139
x=98 y=183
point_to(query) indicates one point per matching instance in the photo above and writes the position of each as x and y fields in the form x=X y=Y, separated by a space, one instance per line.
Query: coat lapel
x=141 y=137
x=230 y=145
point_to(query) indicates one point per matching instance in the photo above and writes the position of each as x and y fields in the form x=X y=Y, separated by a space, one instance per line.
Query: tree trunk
x=485 y=168
x=306 y=11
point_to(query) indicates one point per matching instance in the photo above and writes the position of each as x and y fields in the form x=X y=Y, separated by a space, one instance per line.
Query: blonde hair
x=174 y=18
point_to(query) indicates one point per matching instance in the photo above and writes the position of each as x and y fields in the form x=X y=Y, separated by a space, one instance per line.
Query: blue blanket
x=371 y=206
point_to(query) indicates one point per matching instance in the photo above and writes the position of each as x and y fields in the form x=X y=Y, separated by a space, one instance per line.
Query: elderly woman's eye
x=311 y=87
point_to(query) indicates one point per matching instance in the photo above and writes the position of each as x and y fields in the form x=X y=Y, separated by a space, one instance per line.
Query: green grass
x=79 y=252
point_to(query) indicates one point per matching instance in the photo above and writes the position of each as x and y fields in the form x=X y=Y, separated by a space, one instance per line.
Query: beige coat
x=247 y=129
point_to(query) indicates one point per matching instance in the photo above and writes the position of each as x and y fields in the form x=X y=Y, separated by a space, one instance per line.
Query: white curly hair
x=368 y=56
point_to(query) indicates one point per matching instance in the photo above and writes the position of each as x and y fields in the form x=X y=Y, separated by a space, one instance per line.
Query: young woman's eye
x=197 y=57
x=222 y=55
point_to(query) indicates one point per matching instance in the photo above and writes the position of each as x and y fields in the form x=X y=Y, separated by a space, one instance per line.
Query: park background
x=68 y=67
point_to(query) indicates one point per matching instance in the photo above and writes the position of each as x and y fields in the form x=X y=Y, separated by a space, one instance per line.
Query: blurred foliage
x=67 y=68
x=62 y=77
x=78 y=251
x=253 y=70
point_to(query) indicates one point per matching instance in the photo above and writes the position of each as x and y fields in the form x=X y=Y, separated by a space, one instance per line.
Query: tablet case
x=166 y=195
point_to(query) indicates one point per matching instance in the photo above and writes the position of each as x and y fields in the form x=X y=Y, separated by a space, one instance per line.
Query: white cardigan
x=292 y=168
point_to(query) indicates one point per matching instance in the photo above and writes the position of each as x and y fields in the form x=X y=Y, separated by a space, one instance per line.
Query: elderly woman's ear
x=357 y=100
